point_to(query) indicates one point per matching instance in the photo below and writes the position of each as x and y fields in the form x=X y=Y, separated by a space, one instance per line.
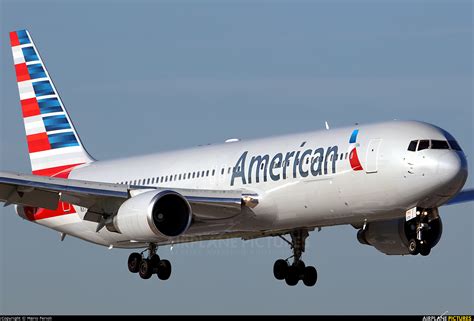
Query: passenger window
x=213 y=172
x=222 y=172
x=454 y=145
x=412 y=146
x=439 y=144
x=424 y=144
x=202 y=173
x=207 y=173
x=194 y=174
x=179 y=177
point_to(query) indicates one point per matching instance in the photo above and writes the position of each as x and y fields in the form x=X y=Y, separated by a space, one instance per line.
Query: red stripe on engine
x=22 y=72
x=30 y=107
x=35 y=214
x=38 y=142
x=14 y=39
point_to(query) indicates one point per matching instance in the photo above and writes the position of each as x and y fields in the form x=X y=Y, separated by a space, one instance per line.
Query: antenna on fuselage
x=327 y=125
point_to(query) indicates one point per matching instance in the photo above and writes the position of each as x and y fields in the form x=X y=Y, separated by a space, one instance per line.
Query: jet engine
x=392 y=237
x=151 y=214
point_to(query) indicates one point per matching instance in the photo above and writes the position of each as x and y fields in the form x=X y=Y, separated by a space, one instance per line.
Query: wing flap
x=45 y=192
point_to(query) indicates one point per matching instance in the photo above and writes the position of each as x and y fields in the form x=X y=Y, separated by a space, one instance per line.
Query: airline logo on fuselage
x=265 y=168
x=315 y=162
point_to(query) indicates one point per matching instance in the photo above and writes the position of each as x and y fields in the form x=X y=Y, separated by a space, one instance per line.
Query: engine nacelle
x=25 y=212
x=151 y=214
x=391 y=237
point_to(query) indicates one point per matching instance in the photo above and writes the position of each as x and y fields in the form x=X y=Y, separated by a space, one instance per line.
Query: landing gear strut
x=150 y=265
x=282 y=270
x=419 y=243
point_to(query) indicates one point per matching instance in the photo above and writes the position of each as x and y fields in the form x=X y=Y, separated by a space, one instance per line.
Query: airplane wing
x=466 y=195
x=104 y=199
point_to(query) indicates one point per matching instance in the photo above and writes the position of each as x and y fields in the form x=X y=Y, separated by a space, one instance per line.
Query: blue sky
x=147 y=76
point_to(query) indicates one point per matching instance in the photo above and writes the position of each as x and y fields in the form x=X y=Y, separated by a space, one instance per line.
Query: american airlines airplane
x=387 y=180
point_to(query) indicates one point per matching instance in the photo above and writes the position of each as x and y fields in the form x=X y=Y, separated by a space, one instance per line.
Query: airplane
x=388 y=180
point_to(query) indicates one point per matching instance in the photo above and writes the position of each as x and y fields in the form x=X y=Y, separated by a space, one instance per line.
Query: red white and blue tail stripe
x=53 y=144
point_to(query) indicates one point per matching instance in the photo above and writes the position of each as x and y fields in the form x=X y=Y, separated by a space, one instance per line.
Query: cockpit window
x=454 y=145
x=433 y=144
x=424 y=144
x=439 y=144
x=412 y=146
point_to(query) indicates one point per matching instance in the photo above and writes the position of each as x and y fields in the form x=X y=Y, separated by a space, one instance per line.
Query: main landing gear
x=146 y=267
x=297 y=271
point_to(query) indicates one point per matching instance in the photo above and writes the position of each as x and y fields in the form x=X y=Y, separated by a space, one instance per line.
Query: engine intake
x=171 y=214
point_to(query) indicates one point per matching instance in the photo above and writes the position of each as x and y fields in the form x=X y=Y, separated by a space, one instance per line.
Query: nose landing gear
x=146 y=267
x=296 y=271
x=424 y=232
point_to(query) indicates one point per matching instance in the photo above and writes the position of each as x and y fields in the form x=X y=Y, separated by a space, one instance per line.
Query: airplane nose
x=452 y=171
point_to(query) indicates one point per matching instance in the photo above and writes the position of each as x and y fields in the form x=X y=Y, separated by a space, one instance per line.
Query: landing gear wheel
x=310 y=276
x=280 y=269
x=155 y=261
x=413 y=247
x=146 y=269
x=164 y=270
x=300 y=266
x=134 y=261
x=425 y=248
x=292 y=277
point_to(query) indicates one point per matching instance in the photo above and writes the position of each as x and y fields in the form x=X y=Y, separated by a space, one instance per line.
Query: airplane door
x=371 y=164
